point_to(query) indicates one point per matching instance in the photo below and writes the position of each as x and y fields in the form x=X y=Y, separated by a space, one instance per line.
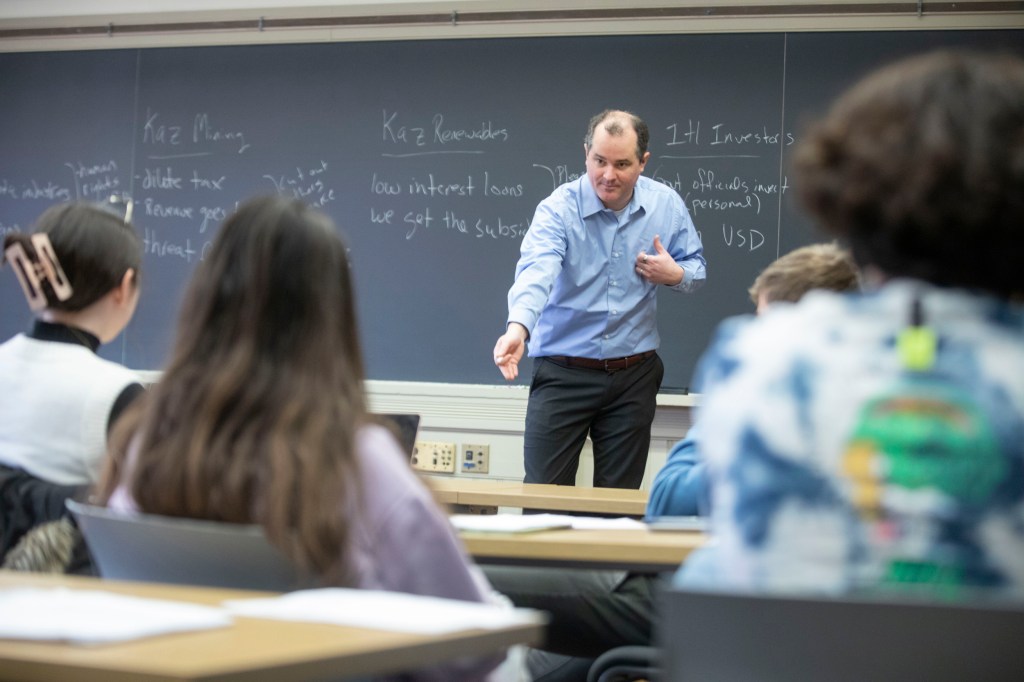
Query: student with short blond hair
x=816 y=266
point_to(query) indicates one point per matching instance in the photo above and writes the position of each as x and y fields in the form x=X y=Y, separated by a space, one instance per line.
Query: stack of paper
x=394 y=611
x=95 y=617
x=509 y=523
x=524 y=523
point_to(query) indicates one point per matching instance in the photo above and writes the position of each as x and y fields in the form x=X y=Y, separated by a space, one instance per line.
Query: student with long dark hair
x=261 y=417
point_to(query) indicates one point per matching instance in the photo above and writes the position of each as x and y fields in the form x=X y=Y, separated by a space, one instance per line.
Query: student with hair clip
x=261 y=417
x=80 y=272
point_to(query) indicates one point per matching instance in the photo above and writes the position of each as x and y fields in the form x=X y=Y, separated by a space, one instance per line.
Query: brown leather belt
x=609 y=365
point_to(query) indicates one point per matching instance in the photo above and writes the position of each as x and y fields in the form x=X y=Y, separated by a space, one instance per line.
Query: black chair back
x=730 y=637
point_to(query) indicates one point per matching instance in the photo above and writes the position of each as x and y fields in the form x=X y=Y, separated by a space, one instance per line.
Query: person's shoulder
x=772 y=340
x=381 y=457
x=114 y=371
x=818 y=306
x=20 y=343
x=74 y=361
x=12 y=344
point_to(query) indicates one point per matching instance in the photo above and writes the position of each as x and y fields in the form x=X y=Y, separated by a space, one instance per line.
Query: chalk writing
x=161 y=178
x=378 y=216
x=204 y=134
x=709 y=192
x=379 y=186
x=436 y=133
x=449 y=221
x=430 y=187
x=722 y=135
x=162 y=248
x=308 y=184
x=416 y=219
x=486 y=131
x=559 y=174
x=502 y=230
x=697 y=204
x=158 y=210
x=392 y=132
x=493 y=188
x=204 y=131
x=747 y=238
x=706 y=182
x=199 y=182
x=42 y=190
x=154 y=132
x=690 y=134
x=93 y=181
x=211 y=216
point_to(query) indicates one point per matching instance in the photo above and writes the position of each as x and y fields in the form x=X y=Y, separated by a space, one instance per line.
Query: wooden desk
x=491 y=493
x=251 y=649
x=636 y=550
x=448 y=489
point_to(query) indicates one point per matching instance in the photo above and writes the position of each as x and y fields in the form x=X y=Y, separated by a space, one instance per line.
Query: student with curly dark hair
x=877 y=440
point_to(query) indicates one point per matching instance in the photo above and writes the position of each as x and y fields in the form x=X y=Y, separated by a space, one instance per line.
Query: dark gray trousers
x=591 y=612
x=615 y=408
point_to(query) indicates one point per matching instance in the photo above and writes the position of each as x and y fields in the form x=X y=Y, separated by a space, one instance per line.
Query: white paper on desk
x=524 y=523
x=597 y=523
x=381 y=610
x=509 y=523
x=96 y=617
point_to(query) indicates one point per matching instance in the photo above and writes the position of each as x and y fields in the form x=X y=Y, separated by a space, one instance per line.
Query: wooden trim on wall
x=250 y=27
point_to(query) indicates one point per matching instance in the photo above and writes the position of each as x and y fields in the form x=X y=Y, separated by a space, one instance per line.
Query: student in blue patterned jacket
x=877 y=441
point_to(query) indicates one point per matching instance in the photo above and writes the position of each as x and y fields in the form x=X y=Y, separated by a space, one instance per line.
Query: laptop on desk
x=182 y=551
x=406 y=426
x=728 y=637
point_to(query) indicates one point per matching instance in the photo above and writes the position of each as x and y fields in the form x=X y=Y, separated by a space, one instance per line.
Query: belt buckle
x=615 y=364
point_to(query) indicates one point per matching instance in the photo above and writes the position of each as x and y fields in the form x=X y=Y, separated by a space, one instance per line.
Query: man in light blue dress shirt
x=585 y=297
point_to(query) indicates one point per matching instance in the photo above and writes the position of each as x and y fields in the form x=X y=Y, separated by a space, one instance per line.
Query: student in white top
x=80 y=271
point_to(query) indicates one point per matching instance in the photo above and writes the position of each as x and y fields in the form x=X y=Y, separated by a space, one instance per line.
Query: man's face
x=613 y=167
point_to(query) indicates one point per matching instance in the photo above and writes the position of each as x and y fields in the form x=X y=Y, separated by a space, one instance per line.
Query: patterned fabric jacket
x=853 y=443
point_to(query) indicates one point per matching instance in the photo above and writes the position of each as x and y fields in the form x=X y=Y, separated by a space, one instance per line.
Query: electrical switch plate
x=435 y=456
x=476 y=459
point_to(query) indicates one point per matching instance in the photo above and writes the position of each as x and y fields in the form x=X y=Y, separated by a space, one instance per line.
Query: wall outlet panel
x=476 y=459
x=434 y=456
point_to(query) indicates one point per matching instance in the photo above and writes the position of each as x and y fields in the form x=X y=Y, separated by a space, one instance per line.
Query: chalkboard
x=431 y=157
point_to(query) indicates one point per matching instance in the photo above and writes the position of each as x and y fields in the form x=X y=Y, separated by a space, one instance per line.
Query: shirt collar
x=62 y=333
x=591 y=205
